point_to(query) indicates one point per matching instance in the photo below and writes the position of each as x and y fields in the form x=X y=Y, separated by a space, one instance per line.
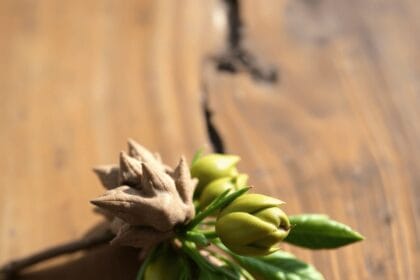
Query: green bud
x=219 y=186
x=212 y=167
x=164 y=265
x=252 y=225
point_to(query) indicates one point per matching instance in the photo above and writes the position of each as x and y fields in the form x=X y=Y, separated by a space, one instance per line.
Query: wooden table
x=320 y=98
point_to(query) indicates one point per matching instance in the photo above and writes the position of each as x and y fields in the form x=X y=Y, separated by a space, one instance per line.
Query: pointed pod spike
x=126 y=203
x=182 y=168
x=140 y=237
x=147 y=186
x=139 y=211
x=130 y=170
x=108 y=216
x=158 y=157
x=108 y=175
x=184 y=184
x=157 y=178
x=139 y=152
x=169 y=170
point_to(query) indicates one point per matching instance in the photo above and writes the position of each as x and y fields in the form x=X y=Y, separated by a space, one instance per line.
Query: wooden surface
x=337 y=133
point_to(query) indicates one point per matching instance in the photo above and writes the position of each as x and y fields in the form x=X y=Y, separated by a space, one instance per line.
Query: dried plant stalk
x=10 y=269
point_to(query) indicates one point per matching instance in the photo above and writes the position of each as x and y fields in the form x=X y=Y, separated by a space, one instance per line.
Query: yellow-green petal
x=275 y=216
x=214 y=189
x=248 y=250
x=250 y=203
x=213 y=166
x=242 y=228
x=241 y=180
x=271 y=239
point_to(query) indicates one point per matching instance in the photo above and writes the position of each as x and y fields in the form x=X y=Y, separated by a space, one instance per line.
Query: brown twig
x=13 y=267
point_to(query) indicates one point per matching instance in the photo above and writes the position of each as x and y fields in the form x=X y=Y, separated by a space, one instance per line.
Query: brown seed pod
x=147 y=199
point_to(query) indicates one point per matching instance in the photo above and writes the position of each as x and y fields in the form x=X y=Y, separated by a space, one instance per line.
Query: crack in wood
x=237 y=58
x=213 y=133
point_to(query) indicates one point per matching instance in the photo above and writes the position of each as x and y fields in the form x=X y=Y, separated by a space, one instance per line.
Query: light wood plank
x=337 y=133
x=77 y=78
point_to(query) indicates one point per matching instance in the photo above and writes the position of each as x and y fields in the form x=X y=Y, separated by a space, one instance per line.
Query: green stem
x=196 y=237
x=221 y=246
x=239 y=269
x=209 y=234
x=191 y=251
x=144 y=265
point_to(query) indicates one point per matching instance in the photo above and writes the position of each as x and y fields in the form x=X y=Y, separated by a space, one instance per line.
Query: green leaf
x=210 y=234
x=207 y=269
x=239 y=270
x=221 y=274
x=191 y=251
x=219 y=202
x=185 y=273
x=279 y=266
x=316 y=231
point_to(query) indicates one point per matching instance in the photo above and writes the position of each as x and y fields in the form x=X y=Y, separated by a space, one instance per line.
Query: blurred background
x=320 y=98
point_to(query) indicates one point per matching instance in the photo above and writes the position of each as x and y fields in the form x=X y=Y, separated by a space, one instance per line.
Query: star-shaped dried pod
x=140 y=237
x=147 y=200
x=144 y=155
x=129 y=170
x=108 y=175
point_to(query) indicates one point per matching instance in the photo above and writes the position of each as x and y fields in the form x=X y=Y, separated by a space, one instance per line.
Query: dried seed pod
x=140 y=237
x=141 y=153
x=130 y=171
x=185 y=186
x=108 y=175
x=148 y=202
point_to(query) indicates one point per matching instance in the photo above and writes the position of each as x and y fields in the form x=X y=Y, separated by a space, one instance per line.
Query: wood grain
x=77 y=78
x=338 y=132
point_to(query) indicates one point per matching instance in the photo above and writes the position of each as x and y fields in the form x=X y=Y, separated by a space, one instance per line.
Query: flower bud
x=219 y=186
x=213 y=166
x=165 y=265
x=252 y=225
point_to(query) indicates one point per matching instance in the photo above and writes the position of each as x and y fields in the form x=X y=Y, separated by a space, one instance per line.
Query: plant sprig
x=247 y=227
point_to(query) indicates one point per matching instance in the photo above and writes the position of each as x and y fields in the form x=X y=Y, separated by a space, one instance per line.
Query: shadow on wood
x=105 y=262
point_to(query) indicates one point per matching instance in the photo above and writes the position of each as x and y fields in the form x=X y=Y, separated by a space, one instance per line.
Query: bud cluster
x=174 y=214
x=252 y=224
